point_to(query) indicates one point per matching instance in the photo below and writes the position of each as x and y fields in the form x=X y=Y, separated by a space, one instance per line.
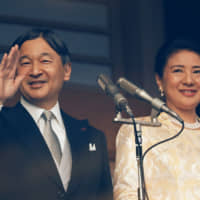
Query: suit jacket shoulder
x=24 y=154
x=90 y=163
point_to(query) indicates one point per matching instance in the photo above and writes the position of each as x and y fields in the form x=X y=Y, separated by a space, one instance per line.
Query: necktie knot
x=48 y=115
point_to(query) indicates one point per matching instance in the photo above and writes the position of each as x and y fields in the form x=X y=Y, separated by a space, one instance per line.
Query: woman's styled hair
x=172 y=47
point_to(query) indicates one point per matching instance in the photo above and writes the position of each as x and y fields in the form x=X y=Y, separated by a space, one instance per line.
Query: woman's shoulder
x=163 y=124
x=126 y=130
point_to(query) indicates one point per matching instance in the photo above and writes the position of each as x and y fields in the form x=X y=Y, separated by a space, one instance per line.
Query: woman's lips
x=188 y=92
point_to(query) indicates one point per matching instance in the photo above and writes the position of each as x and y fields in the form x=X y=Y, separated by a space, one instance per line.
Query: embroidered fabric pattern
x=171 y=169
x=195 y=125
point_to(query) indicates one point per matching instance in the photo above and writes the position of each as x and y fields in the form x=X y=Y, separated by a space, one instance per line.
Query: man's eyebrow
x=196 y=66
x=42 y=54
x=46 y=54
x=22 y=57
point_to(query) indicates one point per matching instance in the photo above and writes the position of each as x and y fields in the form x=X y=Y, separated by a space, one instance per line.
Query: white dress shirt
x=65 y=166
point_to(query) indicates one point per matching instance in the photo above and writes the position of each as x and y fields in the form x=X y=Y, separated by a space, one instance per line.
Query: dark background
x=182 y=18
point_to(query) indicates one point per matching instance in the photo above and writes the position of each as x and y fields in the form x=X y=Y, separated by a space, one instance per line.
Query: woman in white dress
x=171 y=169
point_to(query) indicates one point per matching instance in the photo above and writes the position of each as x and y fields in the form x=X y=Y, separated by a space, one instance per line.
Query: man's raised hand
x=9 y=79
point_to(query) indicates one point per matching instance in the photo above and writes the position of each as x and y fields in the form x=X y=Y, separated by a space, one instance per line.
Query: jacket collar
x=30 y=138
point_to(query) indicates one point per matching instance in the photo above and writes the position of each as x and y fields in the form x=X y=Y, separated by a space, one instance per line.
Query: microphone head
x=102 y=81
x=133 y=90
x=107 y=85
x=127 y=86
x=112 y=90
x=143 y=95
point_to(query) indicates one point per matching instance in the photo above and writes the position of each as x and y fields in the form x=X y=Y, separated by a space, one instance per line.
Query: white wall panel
x=87 y=44
x=87 y=74
x=57 y=10
x=9 y=32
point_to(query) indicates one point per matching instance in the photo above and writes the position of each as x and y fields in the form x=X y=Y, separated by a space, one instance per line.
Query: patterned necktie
x=50 y=136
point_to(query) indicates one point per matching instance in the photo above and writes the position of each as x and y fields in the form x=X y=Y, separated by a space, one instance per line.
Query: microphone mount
x=119 y=119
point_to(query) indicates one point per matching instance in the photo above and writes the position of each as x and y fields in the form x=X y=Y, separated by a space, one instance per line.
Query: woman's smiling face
x=181 y=80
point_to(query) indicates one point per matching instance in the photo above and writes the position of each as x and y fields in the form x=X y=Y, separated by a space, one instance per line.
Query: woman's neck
x=188 y=116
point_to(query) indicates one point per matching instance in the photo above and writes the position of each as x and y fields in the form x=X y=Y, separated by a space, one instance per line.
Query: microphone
x=143 y=95
x=112 y=90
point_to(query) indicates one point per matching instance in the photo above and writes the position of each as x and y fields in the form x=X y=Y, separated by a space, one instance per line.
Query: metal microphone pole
x=138 y=142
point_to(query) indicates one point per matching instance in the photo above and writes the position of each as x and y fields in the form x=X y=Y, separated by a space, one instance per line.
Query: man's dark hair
x=50 y=37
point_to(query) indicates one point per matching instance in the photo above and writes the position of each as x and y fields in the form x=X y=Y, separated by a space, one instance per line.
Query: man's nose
x=36 y=70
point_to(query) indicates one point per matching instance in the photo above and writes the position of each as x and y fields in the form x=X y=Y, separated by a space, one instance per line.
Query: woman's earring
x=161 y=92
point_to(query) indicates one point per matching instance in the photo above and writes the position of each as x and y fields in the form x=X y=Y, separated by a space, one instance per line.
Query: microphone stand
x=138 y=141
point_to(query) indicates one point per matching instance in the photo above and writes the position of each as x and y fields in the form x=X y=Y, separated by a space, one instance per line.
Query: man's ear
x=67 y=71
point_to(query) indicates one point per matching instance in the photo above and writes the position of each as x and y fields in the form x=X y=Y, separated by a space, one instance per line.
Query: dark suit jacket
x=28 y=172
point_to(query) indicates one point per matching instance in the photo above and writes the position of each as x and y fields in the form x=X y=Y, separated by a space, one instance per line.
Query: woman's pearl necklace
x=194 y=125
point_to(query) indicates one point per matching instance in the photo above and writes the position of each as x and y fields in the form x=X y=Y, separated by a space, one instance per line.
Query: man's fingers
x=9 y=63
x=13 y=57
x=3 y=61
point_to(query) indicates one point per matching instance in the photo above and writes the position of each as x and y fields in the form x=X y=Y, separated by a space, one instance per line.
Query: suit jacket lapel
x=31 y=140
x=74 y=129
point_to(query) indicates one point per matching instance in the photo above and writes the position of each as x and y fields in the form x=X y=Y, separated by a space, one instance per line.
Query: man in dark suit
x=46 y=154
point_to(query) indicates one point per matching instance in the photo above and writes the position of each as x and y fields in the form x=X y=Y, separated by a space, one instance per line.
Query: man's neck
x=39 y=104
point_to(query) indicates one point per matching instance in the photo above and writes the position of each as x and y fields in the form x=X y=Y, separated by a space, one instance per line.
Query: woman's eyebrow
x=172 y=66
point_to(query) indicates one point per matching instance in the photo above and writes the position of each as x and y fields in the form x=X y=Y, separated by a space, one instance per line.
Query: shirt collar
x=36 y=111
